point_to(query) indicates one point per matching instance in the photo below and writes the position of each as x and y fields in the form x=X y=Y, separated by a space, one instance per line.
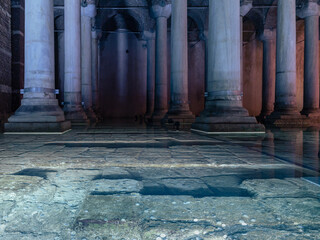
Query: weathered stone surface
x=108 y=187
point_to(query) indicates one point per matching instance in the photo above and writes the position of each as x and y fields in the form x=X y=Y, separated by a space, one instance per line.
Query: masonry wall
x=123 y=76
x=5 y=58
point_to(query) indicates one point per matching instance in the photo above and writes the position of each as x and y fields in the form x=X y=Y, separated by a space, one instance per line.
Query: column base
x=178 y=120
x=50 y=127
x=311 y=112
x=38 y=115
x=209 y=122
x=77 y=116
x=157 y=117
x=91 y=115
x=291 y=120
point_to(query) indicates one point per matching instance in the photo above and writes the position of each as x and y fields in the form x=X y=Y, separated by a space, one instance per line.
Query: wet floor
x=151 y=184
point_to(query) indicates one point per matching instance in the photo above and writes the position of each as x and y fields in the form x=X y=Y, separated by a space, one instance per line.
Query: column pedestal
x=223 y=108
x=39 y=110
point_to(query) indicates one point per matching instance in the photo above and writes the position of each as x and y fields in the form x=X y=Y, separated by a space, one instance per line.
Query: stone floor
x=150 y=184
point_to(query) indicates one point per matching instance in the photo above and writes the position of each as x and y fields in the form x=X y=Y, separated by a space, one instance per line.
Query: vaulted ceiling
x=134 y=15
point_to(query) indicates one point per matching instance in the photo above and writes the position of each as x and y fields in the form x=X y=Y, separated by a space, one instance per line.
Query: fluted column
x=268 y=37
x=161 y=14
x=88 y=12
x=179 y=105
x=72 y=84
x=310 y=14
x=39 y=110
x=223 y=108
x=150 y=38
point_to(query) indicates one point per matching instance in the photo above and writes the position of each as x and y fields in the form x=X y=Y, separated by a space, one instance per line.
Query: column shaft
x=72 y=84
x=286 y=58
x=161 y=87
x=179 y=60
x=88 y=12
x=94 y=73
x=224 y=57
x=311 y=66
x=150 y=76
x=269 y=75
x=86 y=66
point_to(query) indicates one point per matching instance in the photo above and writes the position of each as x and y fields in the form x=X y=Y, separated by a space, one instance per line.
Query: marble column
x=223 y=108
x=179 y=105
x=150 y=38
x=246 y=6
x=88 y=12
x=39 y=110
x=268 y=37
x=310 y=14
x=72 y=84
x=286 y=58
x=161 y=14
x=285 y=114
x=94 y=73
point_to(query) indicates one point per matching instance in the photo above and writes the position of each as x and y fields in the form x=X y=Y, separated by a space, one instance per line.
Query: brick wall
x=5 y=58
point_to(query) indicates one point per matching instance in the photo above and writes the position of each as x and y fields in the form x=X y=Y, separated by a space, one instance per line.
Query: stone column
x=161 y=14
x=223 y=108
x=39 y=110
x=285 y=114
x=268 y=37
x=94 y=67
x=88 y=12
x=179 y=104
x=286 y=58
x=150 y=38
x=72 y=84
x=310 y=13
x=246 y=6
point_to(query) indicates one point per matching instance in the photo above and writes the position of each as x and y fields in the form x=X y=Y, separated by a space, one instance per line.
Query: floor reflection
x=146 y=184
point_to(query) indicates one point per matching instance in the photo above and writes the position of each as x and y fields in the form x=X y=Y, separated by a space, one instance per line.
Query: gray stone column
x=150 y=38
x=223 y=108
x=161 y=14
x=310 y=13
x=286 y=59
x=268 y=37
x=39 y=110
x=88 y=12
x=246 y=6
x=72 y=84
x=179 y=105
x=94 y=73
x=285 y=114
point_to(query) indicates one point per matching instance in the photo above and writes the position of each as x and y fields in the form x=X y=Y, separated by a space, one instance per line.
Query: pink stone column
x=268 y=37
